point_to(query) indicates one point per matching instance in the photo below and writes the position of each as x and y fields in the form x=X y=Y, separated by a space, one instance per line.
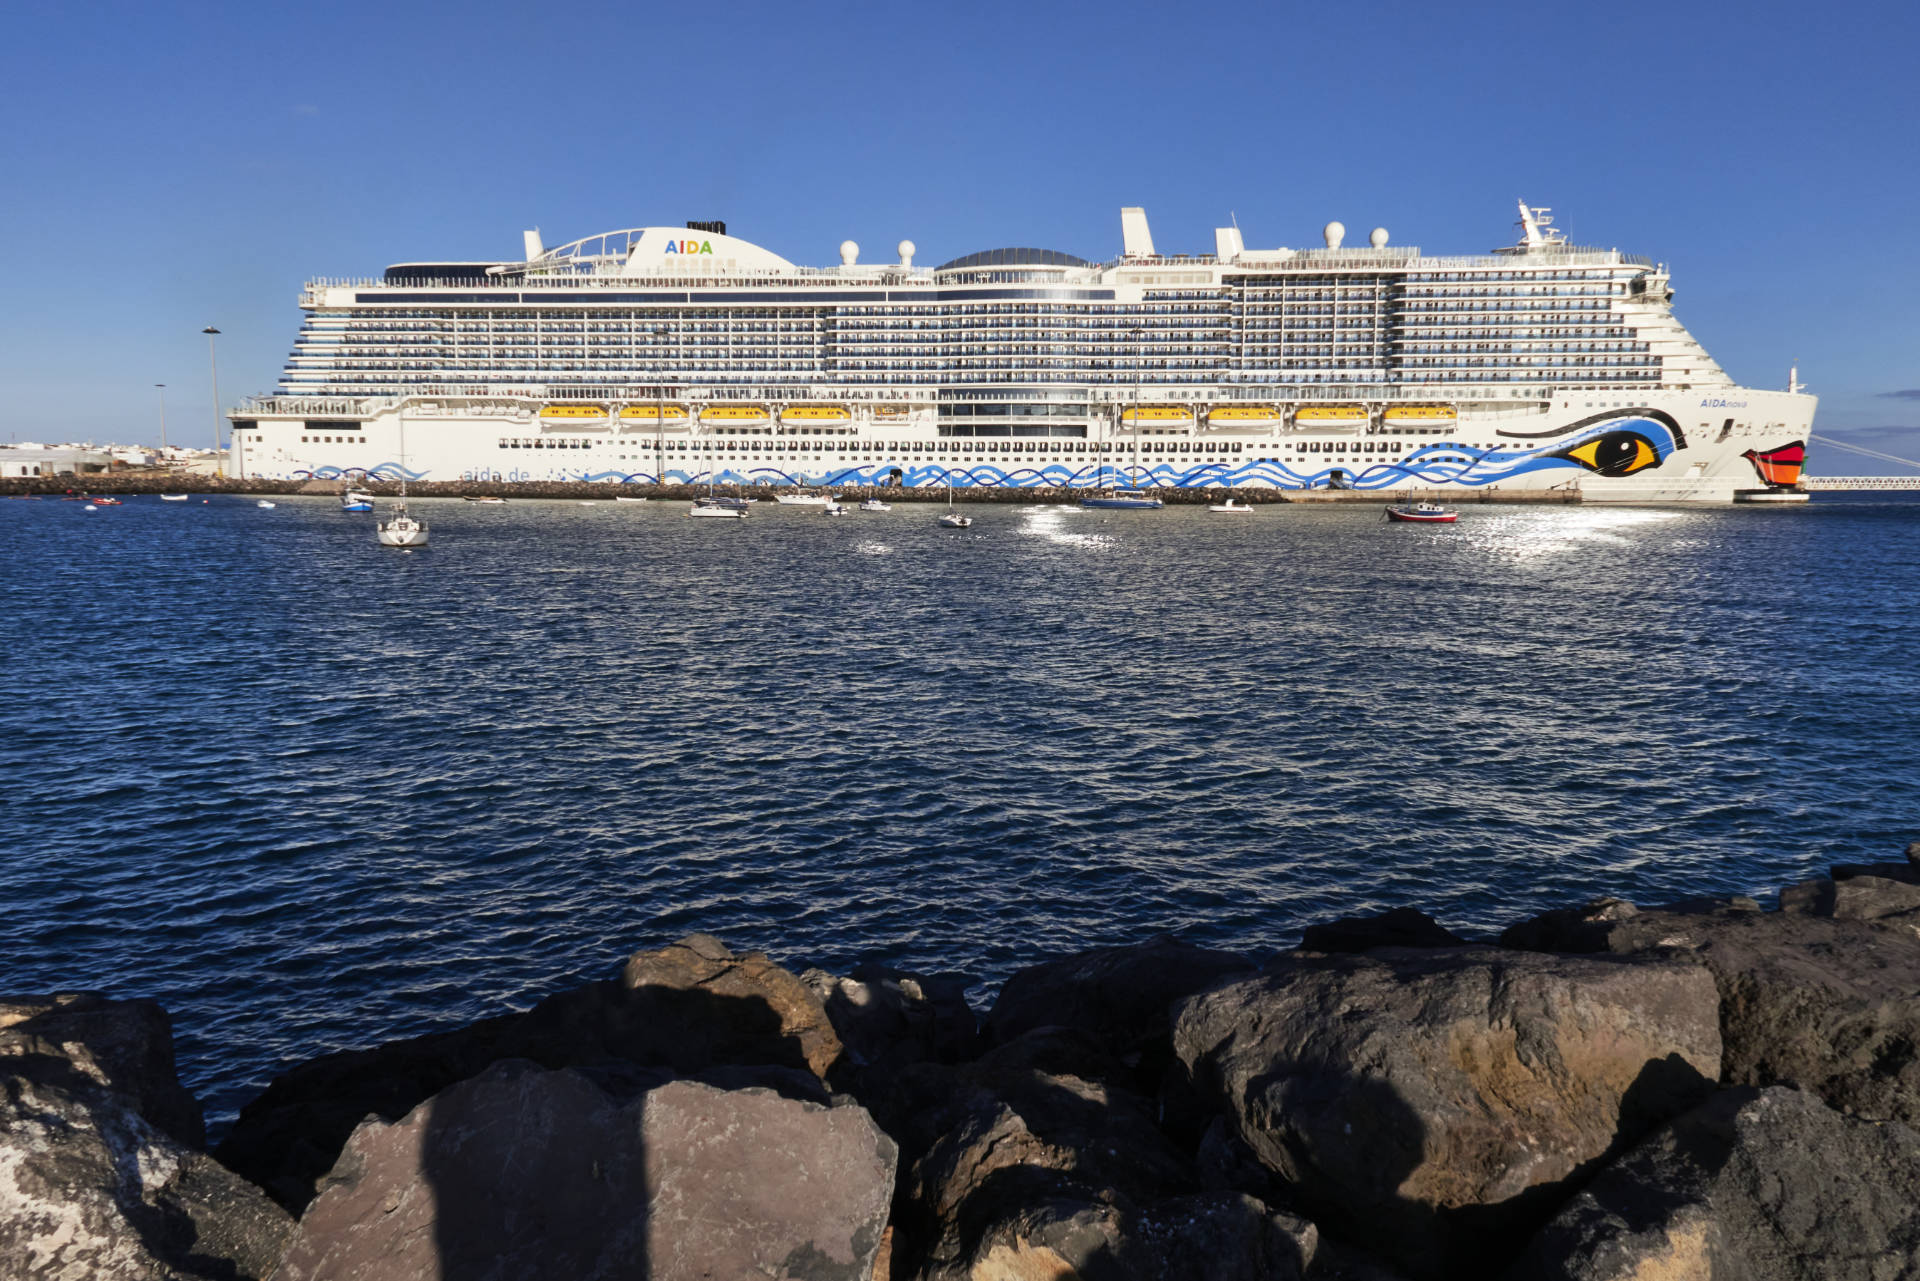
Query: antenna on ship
x=1794 y=385
x=1536 y=228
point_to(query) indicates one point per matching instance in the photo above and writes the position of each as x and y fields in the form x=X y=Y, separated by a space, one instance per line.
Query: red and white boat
x=1423 y=514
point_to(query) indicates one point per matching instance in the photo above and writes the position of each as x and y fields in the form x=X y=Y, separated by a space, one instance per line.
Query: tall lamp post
x=213 y=364
x=162 y=387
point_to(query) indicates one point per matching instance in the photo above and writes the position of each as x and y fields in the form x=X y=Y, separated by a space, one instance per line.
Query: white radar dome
x=849 y=253
x=906 y=253
x=1335 y=233
x=1379 y=238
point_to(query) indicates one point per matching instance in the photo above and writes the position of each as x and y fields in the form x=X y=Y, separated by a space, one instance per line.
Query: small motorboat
x=721 y=507
x=89 y=508
x=802 y=500
x=835 y=509
x=264 y=505
x=1423 y=513
x=616 y=498
x=355 y=494
x=356 y=505
x=1128 y=499
x=173 y=498
x=488 y=498
x=875 y=505
x=1230 y=506
x=108 y=502
x=954 y=520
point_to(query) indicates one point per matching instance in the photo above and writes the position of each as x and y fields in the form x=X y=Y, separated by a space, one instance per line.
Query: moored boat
x=1125 y=499
x=173 y=498
x=1423 y=513
x=875 y=505
x=1230 y=506
x=719 y=507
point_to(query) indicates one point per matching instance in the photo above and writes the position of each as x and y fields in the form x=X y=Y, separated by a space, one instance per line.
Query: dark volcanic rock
x=720 y=1003
x=1439 y=1102
x=1400 y=927
x=1907 y=872
x=1206 y=1237
x=1019 y=1168
x=1121 y=996
x=90 y=1190
x=887 y=1018
x=690 y=1008
x=1814 y=1001
x=79 y=1039
x=1853 y=898
x=526 y=1174
x=1757 y=1185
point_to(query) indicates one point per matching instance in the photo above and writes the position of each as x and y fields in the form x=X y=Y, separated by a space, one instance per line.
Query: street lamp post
x=162 y=387
x=213 y=365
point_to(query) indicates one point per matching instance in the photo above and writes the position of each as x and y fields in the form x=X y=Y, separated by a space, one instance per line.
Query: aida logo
x=689 y=247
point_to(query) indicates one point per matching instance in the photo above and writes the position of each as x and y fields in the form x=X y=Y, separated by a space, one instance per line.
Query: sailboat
x=401 y=529
x=725 y=508
x=1138 y=499
x=953 y=519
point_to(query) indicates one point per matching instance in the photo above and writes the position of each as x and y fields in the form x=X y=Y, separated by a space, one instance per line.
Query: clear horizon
x=195 y=165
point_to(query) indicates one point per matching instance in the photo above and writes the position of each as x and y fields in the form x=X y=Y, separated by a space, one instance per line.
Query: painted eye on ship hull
x=1618 y=453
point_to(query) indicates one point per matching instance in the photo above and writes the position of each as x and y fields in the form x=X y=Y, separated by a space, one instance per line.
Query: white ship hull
x=1657 y=447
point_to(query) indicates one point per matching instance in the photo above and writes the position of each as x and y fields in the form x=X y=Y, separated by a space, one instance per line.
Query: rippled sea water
x=311 y=793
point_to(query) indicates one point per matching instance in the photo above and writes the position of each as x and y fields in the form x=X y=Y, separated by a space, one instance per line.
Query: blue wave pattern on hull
x=379 y=471
x=1432 y=465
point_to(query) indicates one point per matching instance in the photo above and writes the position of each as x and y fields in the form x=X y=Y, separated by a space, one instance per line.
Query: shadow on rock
x=691 y=1008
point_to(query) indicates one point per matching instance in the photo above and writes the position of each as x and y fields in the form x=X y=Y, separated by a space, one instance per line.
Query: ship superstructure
x=684 y=354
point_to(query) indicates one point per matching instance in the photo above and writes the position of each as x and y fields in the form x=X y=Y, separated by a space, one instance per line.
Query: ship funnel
x=1136 y=240
x=534 y=247
x=1227 y=244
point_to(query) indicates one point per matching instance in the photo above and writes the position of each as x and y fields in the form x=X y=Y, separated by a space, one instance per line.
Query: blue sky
x=170 y=166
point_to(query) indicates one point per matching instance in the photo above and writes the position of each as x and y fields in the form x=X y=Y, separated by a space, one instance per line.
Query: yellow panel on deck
x=1243 y=414
x=1158 y=414
x=1421 y=414
x=735 y=414
x=1330 y=414
x=573 y=411
x=653 y=413
x=817 y=414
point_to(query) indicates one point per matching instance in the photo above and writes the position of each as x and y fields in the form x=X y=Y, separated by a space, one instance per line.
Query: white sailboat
x=400 y=529
x=953 y=519
x=722 y=508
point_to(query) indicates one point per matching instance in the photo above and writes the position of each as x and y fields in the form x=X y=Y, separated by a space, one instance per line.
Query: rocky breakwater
x=1695 y=1090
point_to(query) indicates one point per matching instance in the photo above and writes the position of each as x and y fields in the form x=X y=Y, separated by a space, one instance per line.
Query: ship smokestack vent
x=711 y=228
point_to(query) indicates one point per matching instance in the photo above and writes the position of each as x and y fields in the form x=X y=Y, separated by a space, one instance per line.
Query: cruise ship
x=688 y=355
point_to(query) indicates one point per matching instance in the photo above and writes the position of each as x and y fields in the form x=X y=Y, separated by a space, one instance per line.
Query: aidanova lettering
x=689 y=247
